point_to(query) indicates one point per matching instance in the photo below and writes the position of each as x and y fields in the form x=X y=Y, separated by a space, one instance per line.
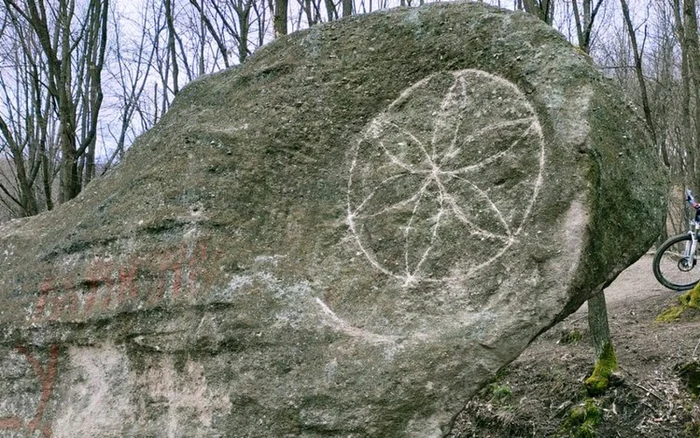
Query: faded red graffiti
x=110 y=285
x=46 y=376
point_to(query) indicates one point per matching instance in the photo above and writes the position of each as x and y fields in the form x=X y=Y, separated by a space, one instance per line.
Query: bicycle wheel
x=672 y=269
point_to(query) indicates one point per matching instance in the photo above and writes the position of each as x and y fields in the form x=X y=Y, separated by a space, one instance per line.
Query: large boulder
x=346 y=236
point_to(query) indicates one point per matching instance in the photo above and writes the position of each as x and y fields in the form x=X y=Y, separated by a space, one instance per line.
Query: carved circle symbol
x=442 y=181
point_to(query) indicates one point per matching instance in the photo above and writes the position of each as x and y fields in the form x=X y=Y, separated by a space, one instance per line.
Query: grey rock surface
x=346 y=236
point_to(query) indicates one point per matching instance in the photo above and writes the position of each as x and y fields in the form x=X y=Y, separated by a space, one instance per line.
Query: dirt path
x=636 y=281
x=536 y=394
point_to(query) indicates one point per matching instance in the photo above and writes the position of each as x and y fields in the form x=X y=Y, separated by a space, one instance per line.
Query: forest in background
x=81 y=79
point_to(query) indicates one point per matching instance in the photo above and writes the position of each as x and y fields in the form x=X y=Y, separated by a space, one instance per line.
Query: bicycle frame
x=675 y=261
x=692 y=245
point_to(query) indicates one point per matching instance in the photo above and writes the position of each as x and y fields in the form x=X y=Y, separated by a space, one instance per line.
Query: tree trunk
x=687 y=123
x=606 y=361
x=542 y=9
x=70 y=178
x=170 y=21
x=584 y=22
x=74 y=59
x=693 y=57
x=347 y=8
x=279 y=20
x=638 y=69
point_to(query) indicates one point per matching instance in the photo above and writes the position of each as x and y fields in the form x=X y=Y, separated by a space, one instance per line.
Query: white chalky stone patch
x=445 y=178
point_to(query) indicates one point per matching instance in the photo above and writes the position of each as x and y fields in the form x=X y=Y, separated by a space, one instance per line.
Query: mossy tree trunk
x=606 y=361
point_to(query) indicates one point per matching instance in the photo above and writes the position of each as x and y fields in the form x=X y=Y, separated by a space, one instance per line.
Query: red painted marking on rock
x=47 y=286
x=177 y=279
x=195 y=261
x=11 y=423
x=126 y=283
x=46 y=376
x=107 y=284
x=90 y=297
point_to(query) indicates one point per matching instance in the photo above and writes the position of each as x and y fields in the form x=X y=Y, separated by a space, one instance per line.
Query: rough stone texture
x=346 y=236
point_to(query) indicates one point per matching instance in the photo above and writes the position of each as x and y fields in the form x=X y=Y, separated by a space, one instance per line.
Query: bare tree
x=584 y=17
x=89 y=95
x=73 y=45
x=181 y=40
x=213 y=31
x=260 y=23
x=235 y=19
x=132 y=63
x=170 y=22
x=688 y=25
x=279 y=16
x=605 y=358
x=663 y=93
x=347 y=7
x=638 y=68
x=23 y=128
x=542 y=9
x=331 y=11
x=311 y=11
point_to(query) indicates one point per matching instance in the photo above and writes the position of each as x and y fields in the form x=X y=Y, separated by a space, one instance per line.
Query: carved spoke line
x=407 y=230
x=477 y=230
x=396 y=206
x=434 y=168
x=410 y=276
x=432 y=176
x=488 y=262
x=488 y=160
x=400 y=163
x=420 y=144
x=438 y=217
x=395 y=159
x=444 y=107
x=374 y=192
x=444 y=196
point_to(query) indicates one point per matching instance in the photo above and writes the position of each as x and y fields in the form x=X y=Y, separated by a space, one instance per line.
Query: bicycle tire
x=667 y=266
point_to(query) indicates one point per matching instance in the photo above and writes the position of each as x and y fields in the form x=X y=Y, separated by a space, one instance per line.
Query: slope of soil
x=535 y=395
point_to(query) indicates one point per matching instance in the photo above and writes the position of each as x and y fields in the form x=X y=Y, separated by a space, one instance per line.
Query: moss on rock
x=690 y=375
x=583 y=420
x=688 y=300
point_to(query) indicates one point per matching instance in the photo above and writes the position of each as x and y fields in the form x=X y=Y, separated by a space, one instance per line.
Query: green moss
x=670 y=314
x=689 y=300
x=499 y=391
x=692 y=428
x=606 y=364
x=692 y=298
x=690 y=376
x=583 y=420
x=571 y=336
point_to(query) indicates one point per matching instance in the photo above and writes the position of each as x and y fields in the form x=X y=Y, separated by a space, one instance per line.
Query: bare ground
x=535 y=395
